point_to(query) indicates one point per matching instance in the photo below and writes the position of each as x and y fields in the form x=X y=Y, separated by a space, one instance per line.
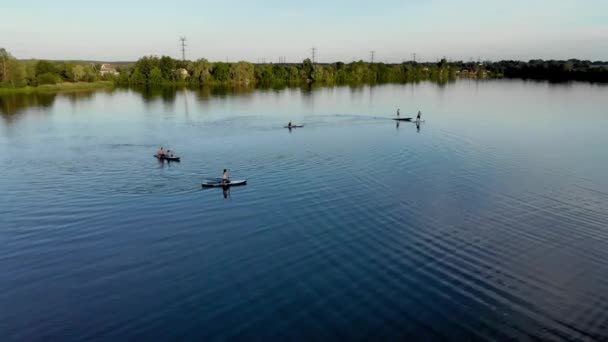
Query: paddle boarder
x=225 y=177
x=289 y=124
x=398 y=113
x=161 y=152
x=418 y=117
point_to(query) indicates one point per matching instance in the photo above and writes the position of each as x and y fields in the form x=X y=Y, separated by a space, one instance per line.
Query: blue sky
x=340 y=29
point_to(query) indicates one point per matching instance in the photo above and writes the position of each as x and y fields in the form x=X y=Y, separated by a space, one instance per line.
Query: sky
x=340 y=30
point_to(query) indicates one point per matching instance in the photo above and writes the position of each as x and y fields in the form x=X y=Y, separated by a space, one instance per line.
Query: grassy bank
x=60 y=87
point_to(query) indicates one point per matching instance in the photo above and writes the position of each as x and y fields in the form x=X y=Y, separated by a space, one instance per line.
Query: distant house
x=108 y=69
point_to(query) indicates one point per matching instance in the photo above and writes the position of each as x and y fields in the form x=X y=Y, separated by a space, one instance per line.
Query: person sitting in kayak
x=418 y=117
x=225 y=177
x=161 y=152
x=170 y=153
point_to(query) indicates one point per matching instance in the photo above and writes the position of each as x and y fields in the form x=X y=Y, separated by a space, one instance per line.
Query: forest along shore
x=24 y=76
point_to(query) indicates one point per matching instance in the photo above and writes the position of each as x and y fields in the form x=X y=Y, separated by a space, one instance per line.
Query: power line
x=183 y=40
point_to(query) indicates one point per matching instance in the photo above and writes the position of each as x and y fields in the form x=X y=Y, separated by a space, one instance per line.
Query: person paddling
x=225 y=177
x=161 y=152
x=418 y=117
x=398 y=113
x=289 y=124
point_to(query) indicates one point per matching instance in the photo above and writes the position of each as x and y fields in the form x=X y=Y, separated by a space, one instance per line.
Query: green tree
x=145 y=64
x=200 y=71
x=12 y=73
x=242 y=73
x=44 y=67
x=294 y=74
x=17 y=74
x=76 y=73
x=137 y=78
x=221 y=71
x=306 y=70
x=48 y=78
x=156 y=76
x=264 y=74
x=167 y=66
x=280 y=73
x=5 y=57
x=90 y=73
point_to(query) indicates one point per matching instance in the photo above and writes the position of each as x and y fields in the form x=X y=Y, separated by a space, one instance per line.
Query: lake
x=488 y=221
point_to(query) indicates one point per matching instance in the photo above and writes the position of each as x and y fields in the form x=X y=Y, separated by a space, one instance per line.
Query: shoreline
x=68 y=87
x=57 y=88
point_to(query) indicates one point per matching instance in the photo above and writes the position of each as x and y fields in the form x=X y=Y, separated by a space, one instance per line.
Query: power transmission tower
x=314 y=53
x=183 y=40
x=414 y=56
x=372 y=53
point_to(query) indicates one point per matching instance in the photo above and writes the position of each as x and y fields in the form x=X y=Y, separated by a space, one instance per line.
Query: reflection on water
x=12 y=104
x=15 y=103
x=205 y=93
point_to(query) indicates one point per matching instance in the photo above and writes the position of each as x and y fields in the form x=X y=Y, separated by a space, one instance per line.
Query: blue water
x=489 y=221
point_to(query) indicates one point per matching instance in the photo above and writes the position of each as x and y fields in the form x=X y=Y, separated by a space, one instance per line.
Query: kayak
x=294 y=126
x=219 y=184
x=402 y=119
x=167 y=158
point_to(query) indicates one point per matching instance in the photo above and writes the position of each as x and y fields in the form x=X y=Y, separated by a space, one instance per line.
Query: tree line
x=17 y=74
x=164 y=70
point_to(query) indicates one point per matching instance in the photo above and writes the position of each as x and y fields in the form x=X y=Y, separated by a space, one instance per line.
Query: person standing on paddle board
x=398 y=113
x=161 y=152
x=418 y=117
x=225 y=177
x=289 y=124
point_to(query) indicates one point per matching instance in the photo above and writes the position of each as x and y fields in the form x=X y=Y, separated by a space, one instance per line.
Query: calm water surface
x=489 y=221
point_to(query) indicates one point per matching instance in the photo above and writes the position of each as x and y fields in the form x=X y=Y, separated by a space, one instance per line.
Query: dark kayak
x=294 y=126
x=402 y=119
x=219 y=184
x=167 y=158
